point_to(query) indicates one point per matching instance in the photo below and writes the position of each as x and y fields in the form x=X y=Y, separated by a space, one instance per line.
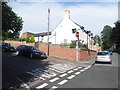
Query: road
x=96 y=76
x=19 y=71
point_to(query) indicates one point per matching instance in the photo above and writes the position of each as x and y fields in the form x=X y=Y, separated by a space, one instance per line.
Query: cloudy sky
x=93 y=15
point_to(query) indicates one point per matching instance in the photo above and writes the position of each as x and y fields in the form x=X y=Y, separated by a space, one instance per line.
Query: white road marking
x=86 y=68
x=79 y=67
x=42 y=86
x=43 y=75
x=70 y=71
x=41 y=78
x=53 y=87
x=77 y=73
x=75 y=69
x=26 y=86
x=55 y=79
x=63 y=82
x=39 y=73
x=62 y=75
x=56 y=70
x=70 y=77
x=46 y=73
x=82 y=70
x=89 y=66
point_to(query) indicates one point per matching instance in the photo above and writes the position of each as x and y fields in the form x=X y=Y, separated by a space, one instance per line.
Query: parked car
x=30 y=51
x=7 y=47
x=103 y=56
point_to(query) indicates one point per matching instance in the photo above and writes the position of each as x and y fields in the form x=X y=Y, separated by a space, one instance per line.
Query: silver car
x=104 y=56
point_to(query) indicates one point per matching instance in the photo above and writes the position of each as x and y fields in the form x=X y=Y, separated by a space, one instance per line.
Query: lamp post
x=91 y=43
x=87 y=38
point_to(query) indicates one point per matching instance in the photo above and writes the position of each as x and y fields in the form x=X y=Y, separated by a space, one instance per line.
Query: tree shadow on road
x=20 y=70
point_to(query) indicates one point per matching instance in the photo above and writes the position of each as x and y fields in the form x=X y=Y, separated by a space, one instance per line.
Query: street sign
x=97 y=45
x=77 y=34
x=74 y=30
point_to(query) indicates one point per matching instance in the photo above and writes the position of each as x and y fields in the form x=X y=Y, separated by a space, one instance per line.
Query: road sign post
x=77 y=50
x=77 y=35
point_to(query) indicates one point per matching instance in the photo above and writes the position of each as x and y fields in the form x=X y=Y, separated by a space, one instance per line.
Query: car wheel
x=46 y=57
x=17 y=53
x=31 y=55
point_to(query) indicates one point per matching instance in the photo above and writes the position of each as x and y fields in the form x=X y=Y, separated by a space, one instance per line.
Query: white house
x=63 y=32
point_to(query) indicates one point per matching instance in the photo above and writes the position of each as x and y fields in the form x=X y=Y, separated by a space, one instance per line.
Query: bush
x=73 y=45
x=32 y=39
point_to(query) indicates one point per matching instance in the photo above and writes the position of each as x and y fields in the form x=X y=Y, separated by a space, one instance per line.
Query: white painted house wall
x=63 y=32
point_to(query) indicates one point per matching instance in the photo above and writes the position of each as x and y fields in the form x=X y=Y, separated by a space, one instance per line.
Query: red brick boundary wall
x=58 y=51
x=67 y=53
x=17 y=43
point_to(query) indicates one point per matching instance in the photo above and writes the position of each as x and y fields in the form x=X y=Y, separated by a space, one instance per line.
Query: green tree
x=11 y=23
x=105 y=37
x=97 y=39
x=115 y=35
x=32 y=39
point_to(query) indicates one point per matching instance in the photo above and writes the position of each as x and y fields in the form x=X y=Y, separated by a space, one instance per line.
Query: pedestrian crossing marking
x=70 y=77
x=42 y=86
x=77 y=73
x=62 y=75
x=55 y=79
x=63 y=82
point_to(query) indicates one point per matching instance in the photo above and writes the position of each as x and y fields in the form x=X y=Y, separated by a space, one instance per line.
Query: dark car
x=7 y=47
x=30 y=51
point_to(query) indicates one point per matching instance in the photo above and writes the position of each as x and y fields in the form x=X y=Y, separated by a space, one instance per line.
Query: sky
x=91 y=14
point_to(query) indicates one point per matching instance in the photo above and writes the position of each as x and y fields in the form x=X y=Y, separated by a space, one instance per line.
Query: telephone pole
x=48 y=29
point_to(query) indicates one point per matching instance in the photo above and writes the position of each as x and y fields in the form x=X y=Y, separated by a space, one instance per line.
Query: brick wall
x=58 y=51
x=67 y=53
x=17 y=43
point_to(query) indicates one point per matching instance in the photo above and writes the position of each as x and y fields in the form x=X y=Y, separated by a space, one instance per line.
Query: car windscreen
x=32 y=48
x=5 y=44
x=21 y=47
x=102 y=53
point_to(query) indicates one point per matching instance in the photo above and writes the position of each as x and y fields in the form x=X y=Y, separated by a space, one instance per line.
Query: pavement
x=85 y=63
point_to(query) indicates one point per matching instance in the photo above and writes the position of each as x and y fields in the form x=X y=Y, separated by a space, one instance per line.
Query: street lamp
x=87 y=37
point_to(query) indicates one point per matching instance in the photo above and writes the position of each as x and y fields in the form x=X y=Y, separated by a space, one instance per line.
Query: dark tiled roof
x=79 y=25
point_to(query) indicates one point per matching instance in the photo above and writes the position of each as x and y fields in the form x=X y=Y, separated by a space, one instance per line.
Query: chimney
x=66 y=14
